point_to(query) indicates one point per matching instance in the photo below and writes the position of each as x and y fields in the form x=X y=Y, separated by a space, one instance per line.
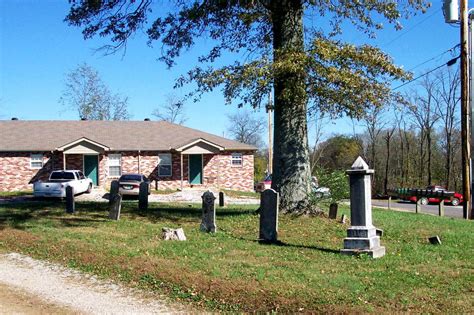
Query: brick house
x=172 y=156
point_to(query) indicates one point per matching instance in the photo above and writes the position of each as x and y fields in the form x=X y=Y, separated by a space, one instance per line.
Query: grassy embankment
x=231 y=271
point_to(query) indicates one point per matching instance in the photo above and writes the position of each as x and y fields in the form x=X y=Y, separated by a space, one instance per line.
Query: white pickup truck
x=59 y=180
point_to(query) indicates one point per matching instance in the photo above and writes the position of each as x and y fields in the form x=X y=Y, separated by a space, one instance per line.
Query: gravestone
x=70 y=203
x=115 y=207
x=208 y=223
x=435 y=240
x=361 y=235
x=343 y=219
x=221 y=199
x=143 y=196
x=173 y=234
x=114 y=190
x=333 y=211
x=269 y=202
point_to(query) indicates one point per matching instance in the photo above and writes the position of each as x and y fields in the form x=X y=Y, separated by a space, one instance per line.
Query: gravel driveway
x=185 y=196
x=56 y=289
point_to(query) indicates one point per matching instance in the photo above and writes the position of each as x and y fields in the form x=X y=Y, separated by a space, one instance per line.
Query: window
x=236 y=159
x=164 y=164
x=115 y=165
x=81 y=175
x=36 y=161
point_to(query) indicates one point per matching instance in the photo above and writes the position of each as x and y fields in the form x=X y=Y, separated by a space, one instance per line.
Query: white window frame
x=36 y=158
x=112 y=162
x=160 y=163
x=237 y=157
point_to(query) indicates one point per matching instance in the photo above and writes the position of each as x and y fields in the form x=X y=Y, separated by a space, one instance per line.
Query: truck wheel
x=89 y=189
x=424 y=201
x=455 y=202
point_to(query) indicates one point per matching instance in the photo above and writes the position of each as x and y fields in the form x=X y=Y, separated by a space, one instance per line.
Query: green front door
x=195 y=169
x=91 y=168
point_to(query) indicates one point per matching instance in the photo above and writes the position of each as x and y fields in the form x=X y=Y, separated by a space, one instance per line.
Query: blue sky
x=37 y=49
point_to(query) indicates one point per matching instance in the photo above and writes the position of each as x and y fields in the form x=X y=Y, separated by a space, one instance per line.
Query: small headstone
x=221 y=199
x=378 y=232
x=269 y=202
x=114 y=190
x=343 y=219
x=208 y=223
x=70 y=203
x=143 y=196
x=333 y=211
x=435 y=240
x=173 y=234
x=115 y=207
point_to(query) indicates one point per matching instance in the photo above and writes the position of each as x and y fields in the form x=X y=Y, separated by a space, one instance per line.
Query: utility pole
x=269 y=109
x=465 y=136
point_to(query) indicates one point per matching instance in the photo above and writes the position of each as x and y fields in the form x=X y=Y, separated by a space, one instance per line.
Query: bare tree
x=388 y=137
x=448 y=101
x=374 y=124
x=244 y=127
x=422 y=107
x=86 y=93
x=171 y=111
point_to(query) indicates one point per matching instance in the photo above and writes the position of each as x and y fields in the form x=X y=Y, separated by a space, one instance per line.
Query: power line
x=435 y=57
x=449 y=63
x=411 y=28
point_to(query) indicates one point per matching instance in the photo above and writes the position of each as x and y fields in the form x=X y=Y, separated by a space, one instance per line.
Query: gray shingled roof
x=46 y=135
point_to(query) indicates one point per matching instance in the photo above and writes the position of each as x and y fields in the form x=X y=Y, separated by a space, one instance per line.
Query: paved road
x=449 y=211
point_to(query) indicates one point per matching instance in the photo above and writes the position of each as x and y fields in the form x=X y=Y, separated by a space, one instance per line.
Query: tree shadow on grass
x=181 y=214
x=18 y=214
x=23 y=215
x=282 y=244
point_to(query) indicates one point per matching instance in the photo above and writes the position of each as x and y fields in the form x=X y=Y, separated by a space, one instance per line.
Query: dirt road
x=29 y=286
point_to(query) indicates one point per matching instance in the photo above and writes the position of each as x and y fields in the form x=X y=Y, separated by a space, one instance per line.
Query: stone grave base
x=363 y=240
x=374 y=252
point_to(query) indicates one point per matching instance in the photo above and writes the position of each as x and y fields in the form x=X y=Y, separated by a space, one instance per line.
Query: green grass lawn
x=230 y=271
x=12 y=194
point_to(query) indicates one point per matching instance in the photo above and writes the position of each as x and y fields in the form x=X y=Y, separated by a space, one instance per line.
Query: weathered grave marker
x=143 y=196
x=435 y=240
x=208 y=223
x=333 y=211
x=114 y=190
x=173 y=234
x=269 y=203
x=70 y=203
x=361 y=235
x=343 y=219
x=115 y=207
x=221 y=199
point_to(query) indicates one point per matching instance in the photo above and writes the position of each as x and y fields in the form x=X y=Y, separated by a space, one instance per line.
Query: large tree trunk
x=291 y=175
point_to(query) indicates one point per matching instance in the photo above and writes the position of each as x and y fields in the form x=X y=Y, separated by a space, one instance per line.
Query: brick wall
x=17 y=174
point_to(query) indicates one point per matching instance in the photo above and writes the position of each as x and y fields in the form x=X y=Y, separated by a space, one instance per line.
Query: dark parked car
x=129 y=184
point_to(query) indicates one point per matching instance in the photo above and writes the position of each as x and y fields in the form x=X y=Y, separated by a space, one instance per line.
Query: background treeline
x=413 y=142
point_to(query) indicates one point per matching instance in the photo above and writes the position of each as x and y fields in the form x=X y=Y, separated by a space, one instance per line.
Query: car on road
x=265 y=184
x=129 y=184
x=59 y=180
x=319 y=192
x=456 y=200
